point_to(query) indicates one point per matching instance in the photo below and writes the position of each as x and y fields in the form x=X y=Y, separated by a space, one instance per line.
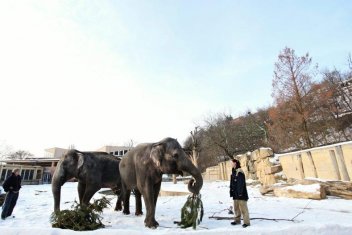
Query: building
x=41 y=170
x=55 y=152
x=118 y=151
x=33 y=170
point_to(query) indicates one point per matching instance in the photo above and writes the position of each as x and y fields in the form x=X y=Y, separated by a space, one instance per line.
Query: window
x=121 y=152
x=3 y=174
x=46 y=177
x=125 y=151
x=26 y=174
x=31 y=173
x=39 y=174
x=116 y=153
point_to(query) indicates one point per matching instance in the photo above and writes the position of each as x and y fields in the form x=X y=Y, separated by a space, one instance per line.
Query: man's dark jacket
x=12 y=183
x=238 y=189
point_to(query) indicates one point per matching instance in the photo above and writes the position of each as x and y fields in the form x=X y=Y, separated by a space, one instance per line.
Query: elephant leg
x=148 y=196
x=126 y=199
x=118 y=206
x=156 y=192
x=88 y=194
x=81 y=189
x=138 y=198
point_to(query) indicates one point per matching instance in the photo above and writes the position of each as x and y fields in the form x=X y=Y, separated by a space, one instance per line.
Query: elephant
x=93 y=170
x=142 y=169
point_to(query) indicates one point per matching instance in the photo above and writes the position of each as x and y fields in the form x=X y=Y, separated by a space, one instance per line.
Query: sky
x=95 y=73
x=310 y=217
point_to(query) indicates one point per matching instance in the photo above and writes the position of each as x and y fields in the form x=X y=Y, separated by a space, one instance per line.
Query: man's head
x=16 y=171
x=236 y=164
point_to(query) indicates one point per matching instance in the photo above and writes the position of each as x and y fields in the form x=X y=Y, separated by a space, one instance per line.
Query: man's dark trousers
x=9 y=204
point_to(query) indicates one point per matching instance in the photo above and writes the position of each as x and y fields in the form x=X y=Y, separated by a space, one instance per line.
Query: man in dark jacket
x=12 y=187
x=238 y=191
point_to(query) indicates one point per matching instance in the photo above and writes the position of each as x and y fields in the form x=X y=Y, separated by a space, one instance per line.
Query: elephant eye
x=175 y=155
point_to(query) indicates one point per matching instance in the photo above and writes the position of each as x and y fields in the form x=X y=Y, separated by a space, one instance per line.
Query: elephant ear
x=80 y=160
x=156 y=154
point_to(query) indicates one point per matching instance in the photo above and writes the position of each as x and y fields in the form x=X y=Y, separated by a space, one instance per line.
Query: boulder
x=273 y=169
x=312 y=191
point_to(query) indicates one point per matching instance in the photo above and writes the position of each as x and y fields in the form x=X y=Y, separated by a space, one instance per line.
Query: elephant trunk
x=194 y=185
x=56 y=183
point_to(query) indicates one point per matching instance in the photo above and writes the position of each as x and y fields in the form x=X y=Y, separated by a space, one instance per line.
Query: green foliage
x=81 y=217
x=192 y=212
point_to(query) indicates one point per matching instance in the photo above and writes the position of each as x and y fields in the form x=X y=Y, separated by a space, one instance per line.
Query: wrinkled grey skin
x=93 y=170
x=142 y=168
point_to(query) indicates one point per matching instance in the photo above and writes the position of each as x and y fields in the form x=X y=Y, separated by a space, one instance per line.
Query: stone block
x=312 y=191
x=265 y=152
x=273 y=169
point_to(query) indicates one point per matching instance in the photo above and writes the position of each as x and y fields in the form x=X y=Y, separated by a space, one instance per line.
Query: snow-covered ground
x=330 y=216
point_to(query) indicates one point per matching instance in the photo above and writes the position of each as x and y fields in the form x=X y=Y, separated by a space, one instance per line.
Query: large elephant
x=93 y=170
x=142 y=169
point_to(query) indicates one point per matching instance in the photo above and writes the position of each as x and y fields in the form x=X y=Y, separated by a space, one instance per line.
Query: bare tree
x=336 y=101
x=229 y=136
x=195 y=146
x=71 y=146
x=130 y=143
x=5 y=150
x=204 y=152
x=20 y=155
x=293 y=79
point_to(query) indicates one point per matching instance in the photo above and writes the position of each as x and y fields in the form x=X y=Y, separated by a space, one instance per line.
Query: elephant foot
x=126 y=212
x=138 y=213
x=153 y=224
x=118 y=206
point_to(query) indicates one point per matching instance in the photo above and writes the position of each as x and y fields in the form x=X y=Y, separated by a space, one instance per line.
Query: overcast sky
x=94 y=73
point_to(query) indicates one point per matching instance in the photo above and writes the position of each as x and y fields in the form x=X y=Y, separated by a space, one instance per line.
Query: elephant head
x=66 y=169
x=169 y=157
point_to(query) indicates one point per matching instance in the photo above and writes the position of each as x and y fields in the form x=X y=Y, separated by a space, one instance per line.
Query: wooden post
x=174 y=180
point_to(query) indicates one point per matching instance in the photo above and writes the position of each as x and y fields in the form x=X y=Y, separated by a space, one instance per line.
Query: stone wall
x=332 y=162
x=256 y=166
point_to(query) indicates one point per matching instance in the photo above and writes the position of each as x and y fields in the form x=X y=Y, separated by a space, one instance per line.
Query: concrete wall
x=332 y=162
x=220 y=172
x=255 y=165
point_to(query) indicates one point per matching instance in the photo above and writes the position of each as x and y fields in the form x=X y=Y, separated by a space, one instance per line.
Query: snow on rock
x=312 y=191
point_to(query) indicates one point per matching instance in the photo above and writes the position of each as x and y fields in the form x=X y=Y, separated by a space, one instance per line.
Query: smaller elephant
x=93 y=170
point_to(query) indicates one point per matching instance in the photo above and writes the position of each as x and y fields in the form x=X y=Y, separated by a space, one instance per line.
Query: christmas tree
x=192 y=212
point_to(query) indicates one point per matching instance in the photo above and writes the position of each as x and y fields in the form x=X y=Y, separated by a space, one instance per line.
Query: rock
x=266 y=189
x=272 y=169
x=312 y=191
